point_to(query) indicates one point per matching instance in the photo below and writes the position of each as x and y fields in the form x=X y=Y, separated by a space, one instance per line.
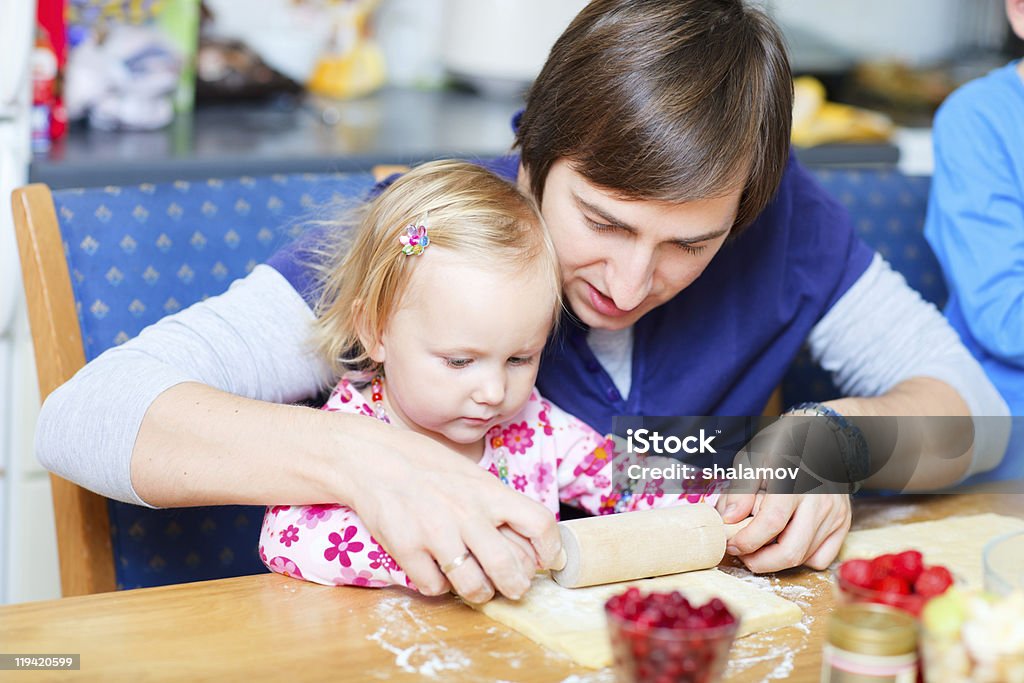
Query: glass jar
x=870 y=643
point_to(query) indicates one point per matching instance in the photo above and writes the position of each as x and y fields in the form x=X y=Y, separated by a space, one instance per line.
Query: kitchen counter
x=286 y=136
x=306 y=136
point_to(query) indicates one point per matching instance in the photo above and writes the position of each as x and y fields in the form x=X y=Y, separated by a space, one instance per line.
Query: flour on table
x=415 y=643
x=768 y=646
x=602 y=676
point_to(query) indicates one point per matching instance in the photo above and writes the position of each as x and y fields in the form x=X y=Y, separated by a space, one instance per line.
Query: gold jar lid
x=870 y=629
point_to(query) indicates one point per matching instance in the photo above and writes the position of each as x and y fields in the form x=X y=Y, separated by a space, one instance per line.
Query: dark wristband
x=853 y=447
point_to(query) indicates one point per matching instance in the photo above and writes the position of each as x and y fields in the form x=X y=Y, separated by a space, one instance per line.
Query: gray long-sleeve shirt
x=253 y=341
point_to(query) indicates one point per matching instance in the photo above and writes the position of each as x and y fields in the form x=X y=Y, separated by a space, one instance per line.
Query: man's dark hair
x=667 y=100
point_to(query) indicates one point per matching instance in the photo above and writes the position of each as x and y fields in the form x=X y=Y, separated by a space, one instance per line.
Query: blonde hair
x=466 y=209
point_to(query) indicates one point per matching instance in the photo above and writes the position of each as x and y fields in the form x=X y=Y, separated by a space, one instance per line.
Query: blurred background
x=108 y=92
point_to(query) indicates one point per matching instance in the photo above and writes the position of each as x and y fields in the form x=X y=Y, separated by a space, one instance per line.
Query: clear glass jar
x=870 y=643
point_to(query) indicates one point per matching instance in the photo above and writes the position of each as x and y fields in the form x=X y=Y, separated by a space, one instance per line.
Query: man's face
x=622 y=258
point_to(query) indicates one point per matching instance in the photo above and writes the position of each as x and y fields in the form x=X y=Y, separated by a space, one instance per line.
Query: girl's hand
x=427 y=506
x=788 y=530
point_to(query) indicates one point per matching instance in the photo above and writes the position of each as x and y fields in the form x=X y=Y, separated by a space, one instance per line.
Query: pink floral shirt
x=542 y=452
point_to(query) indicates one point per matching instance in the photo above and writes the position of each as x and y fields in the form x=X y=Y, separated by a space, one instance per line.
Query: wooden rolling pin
x=636 y=545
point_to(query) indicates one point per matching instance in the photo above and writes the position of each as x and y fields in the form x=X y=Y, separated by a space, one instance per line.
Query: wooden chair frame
x=83 y=523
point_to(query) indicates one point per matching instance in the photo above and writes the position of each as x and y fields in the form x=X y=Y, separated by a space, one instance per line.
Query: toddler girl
x=435 y=316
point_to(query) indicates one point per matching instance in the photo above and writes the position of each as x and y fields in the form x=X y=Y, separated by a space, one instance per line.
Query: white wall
x=29 y=569
x=28 y=554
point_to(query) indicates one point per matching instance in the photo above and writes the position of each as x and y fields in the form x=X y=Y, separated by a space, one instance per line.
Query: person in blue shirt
x=697 y=258
x=975 y=225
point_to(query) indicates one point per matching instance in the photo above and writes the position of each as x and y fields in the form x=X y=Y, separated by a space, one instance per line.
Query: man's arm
x=893 y=354
x=250 y=341
x=186 y=414
x=897 y=357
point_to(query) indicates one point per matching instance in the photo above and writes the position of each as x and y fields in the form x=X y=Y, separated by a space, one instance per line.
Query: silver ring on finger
x=449 y=567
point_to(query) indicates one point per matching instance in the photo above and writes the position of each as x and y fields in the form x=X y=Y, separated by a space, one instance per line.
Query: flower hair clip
x=414 y=240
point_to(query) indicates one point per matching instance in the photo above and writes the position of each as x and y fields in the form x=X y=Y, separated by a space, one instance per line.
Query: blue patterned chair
x=101 y=264
x=888 y=212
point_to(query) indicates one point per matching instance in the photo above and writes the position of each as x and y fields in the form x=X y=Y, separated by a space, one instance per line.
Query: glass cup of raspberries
x=662 y=637
x=900 y=580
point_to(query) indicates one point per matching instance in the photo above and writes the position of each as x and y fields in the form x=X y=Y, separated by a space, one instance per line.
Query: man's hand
x=788 y=530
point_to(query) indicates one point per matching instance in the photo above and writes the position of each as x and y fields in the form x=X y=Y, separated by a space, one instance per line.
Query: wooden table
x=270 y=627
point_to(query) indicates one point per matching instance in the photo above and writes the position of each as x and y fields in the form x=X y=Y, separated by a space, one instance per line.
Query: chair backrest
x=101 y=264
x=888 y=211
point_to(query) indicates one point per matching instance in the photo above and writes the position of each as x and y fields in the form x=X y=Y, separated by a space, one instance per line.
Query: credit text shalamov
x=644 y=441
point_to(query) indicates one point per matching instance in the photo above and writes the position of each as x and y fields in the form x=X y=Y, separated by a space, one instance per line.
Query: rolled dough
x=572 y=620
x=954 y=542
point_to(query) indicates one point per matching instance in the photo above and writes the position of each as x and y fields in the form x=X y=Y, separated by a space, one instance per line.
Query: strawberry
x=933 y=581
x=856 y=572
x=881 y=567
x=893 y=585
x=908 y=565
x=913 y=603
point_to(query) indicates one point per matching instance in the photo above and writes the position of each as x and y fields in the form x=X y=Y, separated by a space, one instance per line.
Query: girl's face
x=619 y=258
x=461 y=352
